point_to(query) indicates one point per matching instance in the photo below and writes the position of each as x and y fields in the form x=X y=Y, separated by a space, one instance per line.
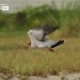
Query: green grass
x=68 y=18
x=15 y=58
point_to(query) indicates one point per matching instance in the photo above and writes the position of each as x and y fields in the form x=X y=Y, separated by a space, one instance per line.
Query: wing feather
x=42 y=31
x=48 y=29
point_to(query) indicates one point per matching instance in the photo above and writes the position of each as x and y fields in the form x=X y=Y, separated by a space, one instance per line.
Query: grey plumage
x=47 y=29
x=39 y=37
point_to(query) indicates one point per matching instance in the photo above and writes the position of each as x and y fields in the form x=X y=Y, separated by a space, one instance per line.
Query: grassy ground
x=16 y=58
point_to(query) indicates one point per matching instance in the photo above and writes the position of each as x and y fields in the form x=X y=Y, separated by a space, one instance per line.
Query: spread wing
x=42 y=32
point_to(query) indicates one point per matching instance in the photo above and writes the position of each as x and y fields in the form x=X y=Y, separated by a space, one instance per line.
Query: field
x=15 y=58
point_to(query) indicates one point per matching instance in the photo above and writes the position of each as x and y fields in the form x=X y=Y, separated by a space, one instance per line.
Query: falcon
x=39 y=37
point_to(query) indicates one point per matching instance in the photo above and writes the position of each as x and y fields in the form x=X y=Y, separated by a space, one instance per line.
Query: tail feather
x=58 y=43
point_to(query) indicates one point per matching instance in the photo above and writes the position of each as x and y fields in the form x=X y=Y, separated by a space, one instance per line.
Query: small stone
x=74 y=76
x=1 y=78
x=33 y=78
x=36 y=78
x=14 y=78
x=54 y=78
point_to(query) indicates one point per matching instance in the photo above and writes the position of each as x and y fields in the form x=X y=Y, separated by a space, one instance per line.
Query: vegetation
x=67 y=18
x=16 y=58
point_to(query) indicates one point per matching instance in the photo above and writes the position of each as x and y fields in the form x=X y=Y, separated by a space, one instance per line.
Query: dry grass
x=16 y=58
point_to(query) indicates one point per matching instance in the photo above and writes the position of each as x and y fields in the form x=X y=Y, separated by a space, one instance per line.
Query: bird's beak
x=29 y=44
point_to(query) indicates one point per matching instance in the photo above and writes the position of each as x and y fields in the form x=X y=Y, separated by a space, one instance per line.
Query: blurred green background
x=68 y=19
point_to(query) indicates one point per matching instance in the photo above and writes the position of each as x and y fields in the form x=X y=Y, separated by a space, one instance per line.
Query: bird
x=40 y=37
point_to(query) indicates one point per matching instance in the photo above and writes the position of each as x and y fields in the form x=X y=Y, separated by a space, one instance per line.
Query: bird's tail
x=58 y=43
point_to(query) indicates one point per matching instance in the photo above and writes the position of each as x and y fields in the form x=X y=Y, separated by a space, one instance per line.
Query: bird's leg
x=29 y=44
x=51 y=50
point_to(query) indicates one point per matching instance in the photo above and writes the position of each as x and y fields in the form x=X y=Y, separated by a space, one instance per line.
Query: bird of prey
x=39 y=37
